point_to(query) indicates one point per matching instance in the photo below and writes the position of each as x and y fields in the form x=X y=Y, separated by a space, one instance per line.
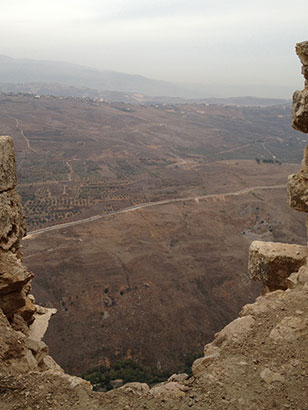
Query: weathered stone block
x=273 y=263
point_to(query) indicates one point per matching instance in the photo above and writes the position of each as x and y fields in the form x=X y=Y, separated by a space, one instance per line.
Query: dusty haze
x=227 y=42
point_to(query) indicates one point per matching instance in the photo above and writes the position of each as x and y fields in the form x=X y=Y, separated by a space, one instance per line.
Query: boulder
x=273 y=263
x=138 y=389
x=298 y=278
x=235 y=331
x=169 y=390
x=200 y=364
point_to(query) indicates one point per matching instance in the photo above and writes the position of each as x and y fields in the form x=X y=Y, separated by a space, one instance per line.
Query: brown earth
x=155 y=284
x=258 y=361
x=158 y=272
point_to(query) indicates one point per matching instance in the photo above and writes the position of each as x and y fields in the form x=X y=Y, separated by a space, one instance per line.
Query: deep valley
x=152 y=283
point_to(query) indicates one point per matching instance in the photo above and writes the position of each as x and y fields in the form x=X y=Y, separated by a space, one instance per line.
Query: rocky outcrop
x=14 y=277
x=300 y=98
x=22 y=323
x=297 y=187
x=300 y=110
x=12 y=224
x=298 y=183
x=272 y=263
x=14 y=286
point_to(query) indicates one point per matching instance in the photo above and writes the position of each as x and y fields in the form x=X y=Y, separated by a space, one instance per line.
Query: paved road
x=149 y=204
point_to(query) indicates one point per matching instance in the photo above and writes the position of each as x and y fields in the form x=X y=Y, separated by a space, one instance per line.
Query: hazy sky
x=205 y=41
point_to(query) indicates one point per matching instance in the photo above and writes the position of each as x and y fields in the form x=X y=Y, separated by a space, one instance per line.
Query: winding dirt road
x=23 y=135
x=150 y=204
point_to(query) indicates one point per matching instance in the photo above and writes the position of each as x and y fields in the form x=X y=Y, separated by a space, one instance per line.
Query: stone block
x=272 y=263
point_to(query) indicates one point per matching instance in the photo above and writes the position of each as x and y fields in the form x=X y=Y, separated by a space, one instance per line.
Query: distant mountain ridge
x=61 y=90
x=33 y=71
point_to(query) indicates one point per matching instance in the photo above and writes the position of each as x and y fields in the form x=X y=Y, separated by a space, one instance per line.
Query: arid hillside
x=78 y=157
x=153 y=281
x=157 y=282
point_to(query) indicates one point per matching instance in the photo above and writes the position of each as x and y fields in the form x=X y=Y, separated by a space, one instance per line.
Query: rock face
x=300 y=98
x=22 y=323
x=14 y=277
x=300 y=110
x=12 y=225
x=14 y=282
x=298 y=183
